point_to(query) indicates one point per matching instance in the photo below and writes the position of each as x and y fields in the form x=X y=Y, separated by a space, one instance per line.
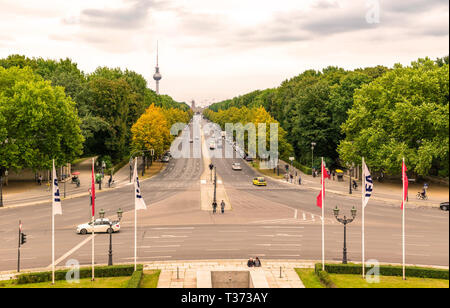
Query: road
x=279 y=221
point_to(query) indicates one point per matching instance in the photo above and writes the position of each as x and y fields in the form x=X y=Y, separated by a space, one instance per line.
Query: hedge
x=325 y=279
x=386 y=270
x=85 y=272
x=135 y=280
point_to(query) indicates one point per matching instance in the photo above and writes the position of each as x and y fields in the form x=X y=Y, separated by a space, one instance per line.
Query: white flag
x=369 y=185
x=56 y=201
x=139 y=202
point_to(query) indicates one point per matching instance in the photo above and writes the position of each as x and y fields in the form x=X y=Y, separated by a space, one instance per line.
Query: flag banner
x=405 y=184
x=368 y=185
x=93 y=190
x=321 y=195
x=139 y=202
x=56 y=201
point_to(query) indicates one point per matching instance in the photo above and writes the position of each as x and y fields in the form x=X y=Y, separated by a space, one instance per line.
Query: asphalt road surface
x=279 y=221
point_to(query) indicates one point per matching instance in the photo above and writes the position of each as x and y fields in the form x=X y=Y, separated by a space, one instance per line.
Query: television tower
x=157 y=76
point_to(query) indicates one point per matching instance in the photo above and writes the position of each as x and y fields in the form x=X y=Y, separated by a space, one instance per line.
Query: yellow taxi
x=259 y=181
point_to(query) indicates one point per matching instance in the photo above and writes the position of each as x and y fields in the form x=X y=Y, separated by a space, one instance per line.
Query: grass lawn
x=309 y=278
x=267 y=172
x=150 y=279
x=356 y=281
x=113 y=282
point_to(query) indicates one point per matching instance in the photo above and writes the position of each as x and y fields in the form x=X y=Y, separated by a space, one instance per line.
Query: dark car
x=444 y=206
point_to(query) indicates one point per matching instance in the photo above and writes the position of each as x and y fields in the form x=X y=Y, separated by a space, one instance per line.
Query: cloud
x=130 y=17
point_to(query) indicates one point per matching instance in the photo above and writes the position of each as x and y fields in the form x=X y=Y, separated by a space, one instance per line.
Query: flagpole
x=135 y=218
x=93 y=221
x=323 y=219
x=363 y=217
x=403 y=218
x=53 y=225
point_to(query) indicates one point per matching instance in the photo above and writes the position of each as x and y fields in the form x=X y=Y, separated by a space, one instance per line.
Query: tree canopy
x=401 y=114
x=38 y=122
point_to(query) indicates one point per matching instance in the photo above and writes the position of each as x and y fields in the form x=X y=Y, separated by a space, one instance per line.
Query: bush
x=135 y=280
x=325 y=279
x=85 y=272
x=386 y=270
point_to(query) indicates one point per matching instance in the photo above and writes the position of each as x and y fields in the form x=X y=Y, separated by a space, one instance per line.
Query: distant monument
x=157 y=76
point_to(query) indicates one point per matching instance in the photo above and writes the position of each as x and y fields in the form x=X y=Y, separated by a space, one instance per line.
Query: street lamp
x=1 y=186
x=345 y=221
x=351 y=168
x=313 y=144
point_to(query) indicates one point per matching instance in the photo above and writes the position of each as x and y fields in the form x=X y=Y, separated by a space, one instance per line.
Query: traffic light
x=23 y=238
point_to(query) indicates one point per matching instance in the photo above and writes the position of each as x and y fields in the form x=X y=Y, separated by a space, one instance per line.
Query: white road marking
x=20 y=259
x=222 y=249
x=160 y=246
x=157 y=257
x=175 y=228
x=73 y=250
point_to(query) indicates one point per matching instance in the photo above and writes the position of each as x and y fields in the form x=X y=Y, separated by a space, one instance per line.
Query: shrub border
x=85 y=272
x=385 y=270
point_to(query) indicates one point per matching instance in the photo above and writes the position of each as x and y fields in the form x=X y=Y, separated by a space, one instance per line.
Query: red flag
x=405 y=184
x=322 y=181
x=93 y=190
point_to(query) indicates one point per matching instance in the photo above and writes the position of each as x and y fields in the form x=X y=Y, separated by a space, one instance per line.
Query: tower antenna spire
x=157 y=76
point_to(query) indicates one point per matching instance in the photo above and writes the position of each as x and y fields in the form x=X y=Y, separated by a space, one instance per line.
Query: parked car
x=165 y=159
x=260 y=181
x=248 y=158
x=101 y=225
x=236 y=166
x=444 y=206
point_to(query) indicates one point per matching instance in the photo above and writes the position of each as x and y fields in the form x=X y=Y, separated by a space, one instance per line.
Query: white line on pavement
x=73 y=250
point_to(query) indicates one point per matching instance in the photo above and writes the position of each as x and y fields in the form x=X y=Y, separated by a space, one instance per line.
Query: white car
x=236 y=166
x=100 y=226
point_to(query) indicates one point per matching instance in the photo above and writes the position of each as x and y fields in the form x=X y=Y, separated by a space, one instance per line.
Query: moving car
x=101 y=225
x=165 y=159
x=236 y=166
x=444 y=206
x=260 y=181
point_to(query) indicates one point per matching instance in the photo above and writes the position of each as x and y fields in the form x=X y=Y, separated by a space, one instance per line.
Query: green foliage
x=109 y=101
x=385 y=270
x=311 y=107
x=404 y=113
x=324 y=278
x=40 y=122
x=135 y=280
x=86 y=272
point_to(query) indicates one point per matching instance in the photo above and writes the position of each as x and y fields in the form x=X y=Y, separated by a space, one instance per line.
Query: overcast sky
x=214 y=49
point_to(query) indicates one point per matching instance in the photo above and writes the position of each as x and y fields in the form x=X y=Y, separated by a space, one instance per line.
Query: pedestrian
x=214 y=207
x=250 y=263
x=110 y=181
x=40 y=180
x=257 y=262
x=292 y=177
x=300 y=180
x=334 y=174
x=355 y=185
x=314 y=173
x=222 y=206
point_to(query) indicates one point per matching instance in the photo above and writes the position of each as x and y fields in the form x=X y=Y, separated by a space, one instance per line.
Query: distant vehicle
x=444 y=206
x=260 y=181
x=212 y=145
x=236 y=166
x=165 y=159
x=224 y=134
x=191 y=140
x=102 y=225
x=197 y=138
x=168 y=154
x=248 y=158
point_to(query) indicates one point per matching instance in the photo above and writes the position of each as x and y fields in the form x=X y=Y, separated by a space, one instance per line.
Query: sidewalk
x=29 y=193
x=386 y=191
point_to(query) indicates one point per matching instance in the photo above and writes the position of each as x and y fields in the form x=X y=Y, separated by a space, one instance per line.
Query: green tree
x=404 y=113
x=38 y=122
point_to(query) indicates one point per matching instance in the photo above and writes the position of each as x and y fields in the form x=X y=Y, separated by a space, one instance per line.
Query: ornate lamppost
x=345 y=221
